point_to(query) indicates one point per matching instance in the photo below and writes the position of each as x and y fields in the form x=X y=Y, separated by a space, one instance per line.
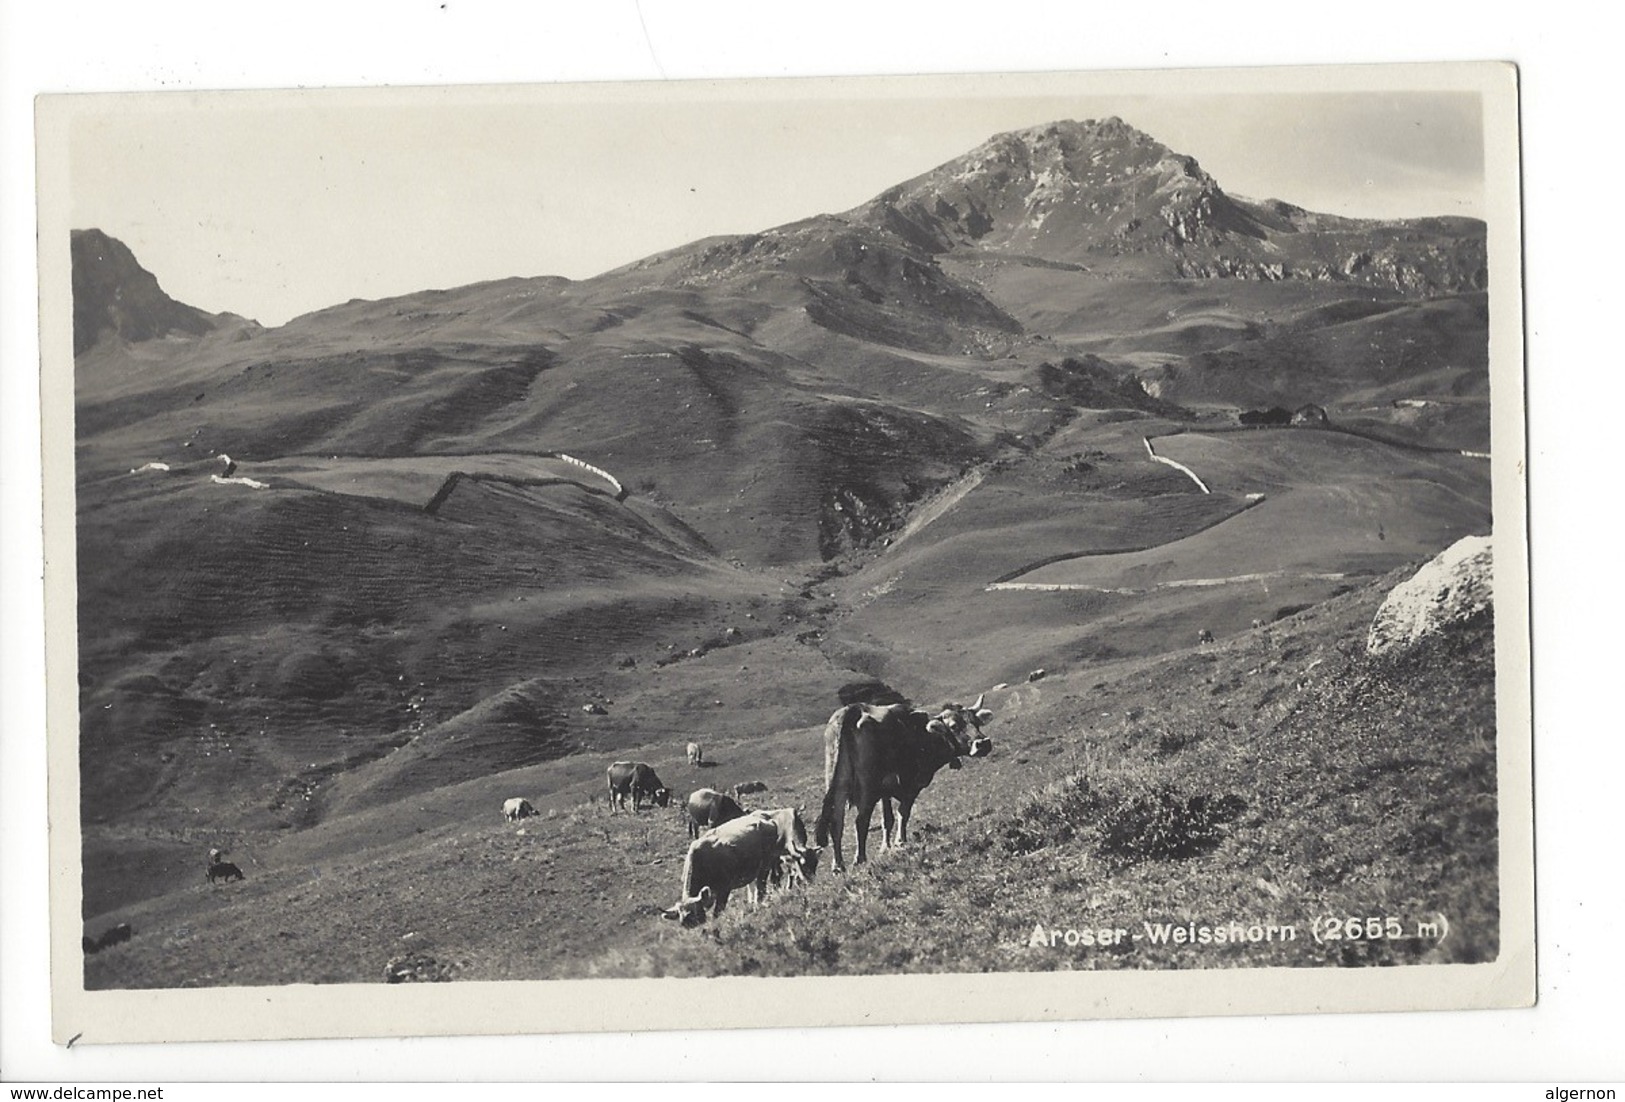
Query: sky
x=272 y=207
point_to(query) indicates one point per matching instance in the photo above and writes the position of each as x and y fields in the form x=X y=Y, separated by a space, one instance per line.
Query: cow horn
x=978 y=705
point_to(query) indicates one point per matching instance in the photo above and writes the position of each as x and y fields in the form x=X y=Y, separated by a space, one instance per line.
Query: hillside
x=1388 y=818
x=345 y=582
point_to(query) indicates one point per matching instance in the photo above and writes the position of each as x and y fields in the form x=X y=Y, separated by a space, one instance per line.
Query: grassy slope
x=1334 y=504
x=1368 y=788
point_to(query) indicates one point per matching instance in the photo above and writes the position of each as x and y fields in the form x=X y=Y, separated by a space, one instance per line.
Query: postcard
x=785 y=553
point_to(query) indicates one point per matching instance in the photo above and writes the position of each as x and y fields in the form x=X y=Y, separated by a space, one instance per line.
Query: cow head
x=804 y=865
x=690 y=911
x=954 y=724
x=662 y=796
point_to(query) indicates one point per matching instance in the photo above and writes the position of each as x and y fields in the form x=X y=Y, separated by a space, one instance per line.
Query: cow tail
x=839 y=764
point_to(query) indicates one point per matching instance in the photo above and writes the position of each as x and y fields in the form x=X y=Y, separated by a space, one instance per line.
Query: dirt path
x=1200 y=485
x=1183 y=583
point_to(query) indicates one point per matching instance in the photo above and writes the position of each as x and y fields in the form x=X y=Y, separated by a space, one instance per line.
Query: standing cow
x=696 y=755
x=635 y=779
x=709 y=809
x=875 y=755
x=517 y=808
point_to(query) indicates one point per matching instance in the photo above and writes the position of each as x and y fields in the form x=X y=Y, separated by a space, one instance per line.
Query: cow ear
x=672 y=913
x=937 y=727
x=984 y=715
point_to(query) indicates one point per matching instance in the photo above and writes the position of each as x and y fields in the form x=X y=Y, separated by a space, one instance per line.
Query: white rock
x=1452 y=586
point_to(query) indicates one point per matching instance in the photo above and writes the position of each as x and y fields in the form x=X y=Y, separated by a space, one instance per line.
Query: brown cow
x=635 y=779
x=709 y=809
x=738 y=854
x=875 y=755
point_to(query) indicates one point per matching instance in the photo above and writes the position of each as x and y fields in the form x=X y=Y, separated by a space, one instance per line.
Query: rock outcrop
x=1451 y=587
x=114 y=294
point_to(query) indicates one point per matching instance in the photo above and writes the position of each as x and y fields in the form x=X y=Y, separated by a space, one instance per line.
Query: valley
x=347 y=584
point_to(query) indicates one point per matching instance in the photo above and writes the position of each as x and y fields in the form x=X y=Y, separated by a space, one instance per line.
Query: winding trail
x=1179 y=583
x=1200 y=485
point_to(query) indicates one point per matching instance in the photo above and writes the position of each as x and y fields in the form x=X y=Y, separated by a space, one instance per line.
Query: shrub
x=1161 y=823
x=1051 y=817
x=1134 y=823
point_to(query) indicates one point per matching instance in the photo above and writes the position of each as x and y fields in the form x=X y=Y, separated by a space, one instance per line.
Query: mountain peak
x=1062 y=191
x=113 y=293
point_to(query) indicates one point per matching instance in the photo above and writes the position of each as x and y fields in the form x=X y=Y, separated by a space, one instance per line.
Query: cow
x=875 y=755
x=636 y=779
x=746 y=788
x=709 y=809
x=517 y=808
x=1204 y=637
x=224 y=870
x=798 y=862
x=740 y=853
x=696 y=754
x=1257 y=624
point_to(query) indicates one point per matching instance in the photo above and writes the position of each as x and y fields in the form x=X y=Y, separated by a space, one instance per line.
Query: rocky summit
x=1107 y=196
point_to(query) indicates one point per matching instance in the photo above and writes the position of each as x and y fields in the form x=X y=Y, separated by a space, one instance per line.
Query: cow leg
x=722 y=901
x=904 y=807
x=886 y=822
x=865 y=814
x=837 y=824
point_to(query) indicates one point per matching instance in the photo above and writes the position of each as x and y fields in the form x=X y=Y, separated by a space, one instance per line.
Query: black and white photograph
x=1055 y=537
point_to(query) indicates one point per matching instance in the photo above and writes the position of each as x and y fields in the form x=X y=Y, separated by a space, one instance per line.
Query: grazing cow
x=1258 y=623
x=696 y=755
x=709 y=809
x=798 y=862
x=747 y=788
x=224 y=870
x=875 y=755
x=516 y=809
x=1204 y=637
x=738 y=854
x=636 y=779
